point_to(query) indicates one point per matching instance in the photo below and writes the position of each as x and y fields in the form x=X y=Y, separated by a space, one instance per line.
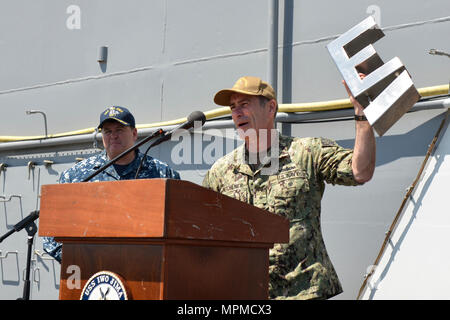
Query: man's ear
x=273 y=107
x=135 y=135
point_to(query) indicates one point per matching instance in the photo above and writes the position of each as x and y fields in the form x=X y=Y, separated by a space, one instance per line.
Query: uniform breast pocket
x=237 y=191
x=288 y=196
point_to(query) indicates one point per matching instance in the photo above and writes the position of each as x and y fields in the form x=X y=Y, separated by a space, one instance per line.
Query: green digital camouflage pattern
x=300 y=269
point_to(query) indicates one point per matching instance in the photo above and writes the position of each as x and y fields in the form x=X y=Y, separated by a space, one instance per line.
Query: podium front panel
x=140 y=265
x=212 y=273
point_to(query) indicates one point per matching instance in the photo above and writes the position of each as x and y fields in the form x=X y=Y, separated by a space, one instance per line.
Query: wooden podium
x=168 y=239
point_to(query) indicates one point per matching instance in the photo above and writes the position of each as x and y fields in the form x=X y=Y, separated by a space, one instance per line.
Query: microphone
x=30 y=218
x=191 y=119
x=21 y=224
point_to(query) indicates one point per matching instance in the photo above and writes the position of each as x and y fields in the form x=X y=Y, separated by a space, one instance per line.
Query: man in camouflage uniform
x=119 y=133
x=300 y=269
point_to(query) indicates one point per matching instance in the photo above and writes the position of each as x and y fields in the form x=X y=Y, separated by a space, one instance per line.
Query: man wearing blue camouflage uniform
x=119 y=133
x=300 y=269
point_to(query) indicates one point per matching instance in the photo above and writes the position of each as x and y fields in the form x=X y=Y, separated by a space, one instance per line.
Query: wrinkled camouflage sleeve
x=52 y=247
x=334 y=163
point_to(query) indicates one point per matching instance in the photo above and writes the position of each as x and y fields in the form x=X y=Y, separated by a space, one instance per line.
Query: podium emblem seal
x=104 y=285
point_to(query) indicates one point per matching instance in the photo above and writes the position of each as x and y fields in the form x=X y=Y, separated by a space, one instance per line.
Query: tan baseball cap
x=246 y=85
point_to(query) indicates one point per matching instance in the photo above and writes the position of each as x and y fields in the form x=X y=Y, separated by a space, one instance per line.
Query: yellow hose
x=223 y=111
x=345 y=103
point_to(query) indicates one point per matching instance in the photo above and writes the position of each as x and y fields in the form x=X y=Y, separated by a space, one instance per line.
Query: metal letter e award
x=387 y=92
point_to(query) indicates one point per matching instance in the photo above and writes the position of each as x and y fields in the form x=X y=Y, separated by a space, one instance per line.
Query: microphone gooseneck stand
x=191 y=121
x=31 y=228
x=194 y=116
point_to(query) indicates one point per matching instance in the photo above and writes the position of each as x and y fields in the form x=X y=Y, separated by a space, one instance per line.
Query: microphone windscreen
x=197 y=116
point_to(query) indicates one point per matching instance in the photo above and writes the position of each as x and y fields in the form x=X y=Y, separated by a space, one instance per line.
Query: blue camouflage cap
x=119 y=114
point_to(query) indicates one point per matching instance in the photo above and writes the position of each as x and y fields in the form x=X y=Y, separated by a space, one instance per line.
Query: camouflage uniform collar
x=239 y=160
x=102 y=158
x=241 y=155
x=132 y=166
x=284 y=144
